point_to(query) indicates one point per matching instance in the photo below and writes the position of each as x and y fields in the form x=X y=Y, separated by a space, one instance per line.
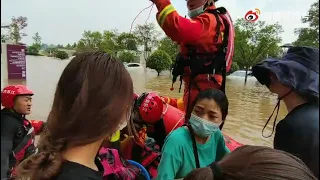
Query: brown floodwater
x=250 y=105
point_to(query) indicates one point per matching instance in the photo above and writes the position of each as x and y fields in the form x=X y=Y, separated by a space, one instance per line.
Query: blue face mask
x=195 y=12
x=202 y=127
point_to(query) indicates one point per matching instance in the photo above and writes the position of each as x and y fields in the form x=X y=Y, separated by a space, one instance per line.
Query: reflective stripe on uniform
x=164 y=13
x=115 y=137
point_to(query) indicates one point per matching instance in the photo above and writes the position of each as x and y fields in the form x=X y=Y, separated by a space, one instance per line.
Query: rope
x=149 y=14
x=151 y=6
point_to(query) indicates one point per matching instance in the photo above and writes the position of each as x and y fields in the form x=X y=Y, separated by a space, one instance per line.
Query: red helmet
x=10 y=92
x=150 y=107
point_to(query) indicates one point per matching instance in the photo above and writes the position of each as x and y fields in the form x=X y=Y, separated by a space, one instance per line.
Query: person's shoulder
x=216 y=137
x=7 y=115
x=9 y=121
x=306 y=115
x=178 y=133
x=205 y=18
x=178 y=137
x=74 y=171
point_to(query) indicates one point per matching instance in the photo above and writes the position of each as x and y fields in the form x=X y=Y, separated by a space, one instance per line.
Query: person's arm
x=38 y=126
x=170 y=162
x=178 y=28
x=170 y=101
x=9 y=127
x=222 y=148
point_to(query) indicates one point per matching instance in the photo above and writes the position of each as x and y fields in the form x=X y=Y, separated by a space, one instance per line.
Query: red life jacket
x=208 y=68
x=147 y=154
x=171 y=119
x=115 y=167
x=24 y=149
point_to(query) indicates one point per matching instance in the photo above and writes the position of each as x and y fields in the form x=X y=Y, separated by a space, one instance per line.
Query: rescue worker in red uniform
x=206 y=44
x=17 y=133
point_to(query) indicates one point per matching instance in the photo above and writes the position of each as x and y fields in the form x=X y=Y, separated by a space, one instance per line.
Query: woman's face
x=276 y=87
x=208 y=110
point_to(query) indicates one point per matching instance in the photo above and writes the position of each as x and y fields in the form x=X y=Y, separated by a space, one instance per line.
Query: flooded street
x=250 y=105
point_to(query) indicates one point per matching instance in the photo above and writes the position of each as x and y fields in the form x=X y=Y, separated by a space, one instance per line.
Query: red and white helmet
x=10 y=92
x=150 y=107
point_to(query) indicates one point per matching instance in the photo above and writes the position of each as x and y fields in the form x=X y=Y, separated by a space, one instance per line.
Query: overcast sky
x=63 y=21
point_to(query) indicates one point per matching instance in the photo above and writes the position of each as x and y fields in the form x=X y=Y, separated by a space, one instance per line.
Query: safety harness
x=207 y=63
x=23 y=146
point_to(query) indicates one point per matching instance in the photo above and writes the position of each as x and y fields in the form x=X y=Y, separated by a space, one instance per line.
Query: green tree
x=126 y=56
x=234 y=67
x=32 y=50
x=170 y=47
x=127 y=41
x=4 y=38
x=90 y=41
x=60 y=55
x=50 y=51
x=255 y=41
x=309 y=36
x=147 y=37
x=59 y=46
x=109 y=42
x=74 y=45
x=68 y=46
x=159 y=61
x=37 y=41
x=16 y=26
x=36 y=45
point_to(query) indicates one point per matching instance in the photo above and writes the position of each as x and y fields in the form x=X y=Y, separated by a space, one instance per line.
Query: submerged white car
x=134 y=67
x=241 y=74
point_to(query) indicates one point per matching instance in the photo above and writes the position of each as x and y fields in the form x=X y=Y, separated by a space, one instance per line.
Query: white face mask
x=195 y=12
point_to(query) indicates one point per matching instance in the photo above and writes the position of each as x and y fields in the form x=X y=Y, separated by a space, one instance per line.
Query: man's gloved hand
x=38 y=126
x=165 y=99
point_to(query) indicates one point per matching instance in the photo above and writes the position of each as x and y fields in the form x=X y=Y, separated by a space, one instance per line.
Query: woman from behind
x=93 y=100
x=254 y=162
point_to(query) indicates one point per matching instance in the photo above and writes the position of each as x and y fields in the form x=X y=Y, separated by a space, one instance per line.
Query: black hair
x=218 y=96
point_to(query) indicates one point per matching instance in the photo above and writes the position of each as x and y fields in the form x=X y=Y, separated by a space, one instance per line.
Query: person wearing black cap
x=295 y=79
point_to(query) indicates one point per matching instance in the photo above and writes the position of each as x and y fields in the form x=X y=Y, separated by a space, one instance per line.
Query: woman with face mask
x=200 y=142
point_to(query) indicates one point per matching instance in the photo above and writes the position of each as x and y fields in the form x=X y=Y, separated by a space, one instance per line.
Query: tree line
x=253 y=42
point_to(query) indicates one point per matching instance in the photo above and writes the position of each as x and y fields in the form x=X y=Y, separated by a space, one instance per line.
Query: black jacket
x=75 y=171
x=298 y=134
x=12 y=133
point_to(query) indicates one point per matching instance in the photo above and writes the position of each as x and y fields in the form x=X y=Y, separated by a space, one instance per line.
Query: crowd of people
x=95 y=115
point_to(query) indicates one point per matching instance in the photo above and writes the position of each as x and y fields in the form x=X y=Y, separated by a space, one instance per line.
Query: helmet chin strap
x=277 y=107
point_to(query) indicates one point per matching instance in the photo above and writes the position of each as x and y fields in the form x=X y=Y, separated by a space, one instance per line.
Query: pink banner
x=16 y=55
